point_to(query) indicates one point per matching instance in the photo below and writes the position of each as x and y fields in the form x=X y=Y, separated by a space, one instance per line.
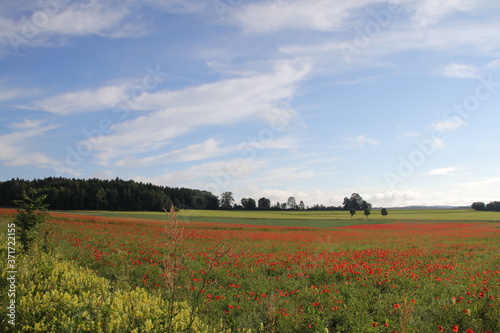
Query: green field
x=320 y=219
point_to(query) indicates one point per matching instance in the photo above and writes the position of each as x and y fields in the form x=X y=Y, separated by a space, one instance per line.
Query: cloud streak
x=49 y=23
x=445 y=171
x=14 y=146
x=272 y=16
x=449 y=124
x=83 y=101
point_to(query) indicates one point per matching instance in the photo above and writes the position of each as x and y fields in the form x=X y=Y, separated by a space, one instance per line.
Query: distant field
x=310 y=218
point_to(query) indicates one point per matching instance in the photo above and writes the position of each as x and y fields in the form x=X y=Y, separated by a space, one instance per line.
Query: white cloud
x=358 y=141
x=276 y=15
x=445 y=171
x=451 y=31
x=207 y=149
x=454 y=37
x=26 y=124
x=438 y=143
x=455 y=70
x=493 y=65
x=14 y=146
x=484 y=183
x=450 y=124
x=483 y=189
x=220 y=103
x=416 y=196
x=461 y=71
x=8 y=94
x=428 y=12
x=48 y=23
x=181 y=6
x=211 y=148
x=83 y=101
x=216 y=177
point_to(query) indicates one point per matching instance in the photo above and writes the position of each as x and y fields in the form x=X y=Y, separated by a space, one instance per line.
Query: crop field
x=308 y=218
x=235 y=271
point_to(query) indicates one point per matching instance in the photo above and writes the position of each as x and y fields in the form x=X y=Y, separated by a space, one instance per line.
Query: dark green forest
x=97 y=194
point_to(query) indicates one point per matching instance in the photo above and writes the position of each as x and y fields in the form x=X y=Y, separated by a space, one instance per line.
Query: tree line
x=128 y=195
x=493 y=206
x=96 y=194
x=227 y=201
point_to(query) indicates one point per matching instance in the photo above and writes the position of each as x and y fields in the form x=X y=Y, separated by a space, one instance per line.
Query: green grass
x=309 y=218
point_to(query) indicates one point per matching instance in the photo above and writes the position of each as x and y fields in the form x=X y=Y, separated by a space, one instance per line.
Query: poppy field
x=161 y=275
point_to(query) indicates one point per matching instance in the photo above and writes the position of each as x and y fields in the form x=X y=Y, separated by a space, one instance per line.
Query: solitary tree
x=302 y=206
x=384 y=212
x=367 y=212
x=356 y=202
x=32 y=213
x=352 y=212
x=226 y=200
x=291 y=203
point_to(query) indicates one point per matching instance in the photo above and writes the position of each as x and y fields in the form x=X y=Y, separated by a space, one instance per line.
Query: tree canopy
x=352 y=211
x=355 y=202
x=493 y=206
x=31 y=215
x=95 y=194
x=367 y=212
x=264 y=204
x=248 y=203
x=226 y=200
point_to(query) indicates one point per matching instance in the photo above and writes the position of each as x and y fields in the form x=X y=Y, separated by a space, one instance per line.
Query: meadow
x=237 y=271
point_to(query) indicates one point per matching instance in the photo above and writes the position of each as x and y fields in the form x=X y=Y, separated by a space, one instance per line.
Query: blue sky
x=398 y=101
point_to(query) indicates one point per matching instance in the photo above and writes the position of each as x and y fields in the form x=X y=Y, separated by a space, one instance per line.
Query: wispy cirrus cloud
x=49 y=23
x=83 y=101
x=171 y=114
x=320 y=15
x=181 y=6
x=445 y=171
x=214 y=176
x=465 y=71
x=449 y=125
x=213 y=148
x=428 y=12
x=272 y=16
x=27 y=123
x=416 y=25
x=358 y=141
x=455 y=70
x=15 y=146
x=195 y=152
x=9 y=93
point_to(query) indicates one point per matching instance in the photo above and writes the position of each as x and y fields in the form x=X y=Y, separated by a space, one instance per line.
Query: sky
x=395 y=100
